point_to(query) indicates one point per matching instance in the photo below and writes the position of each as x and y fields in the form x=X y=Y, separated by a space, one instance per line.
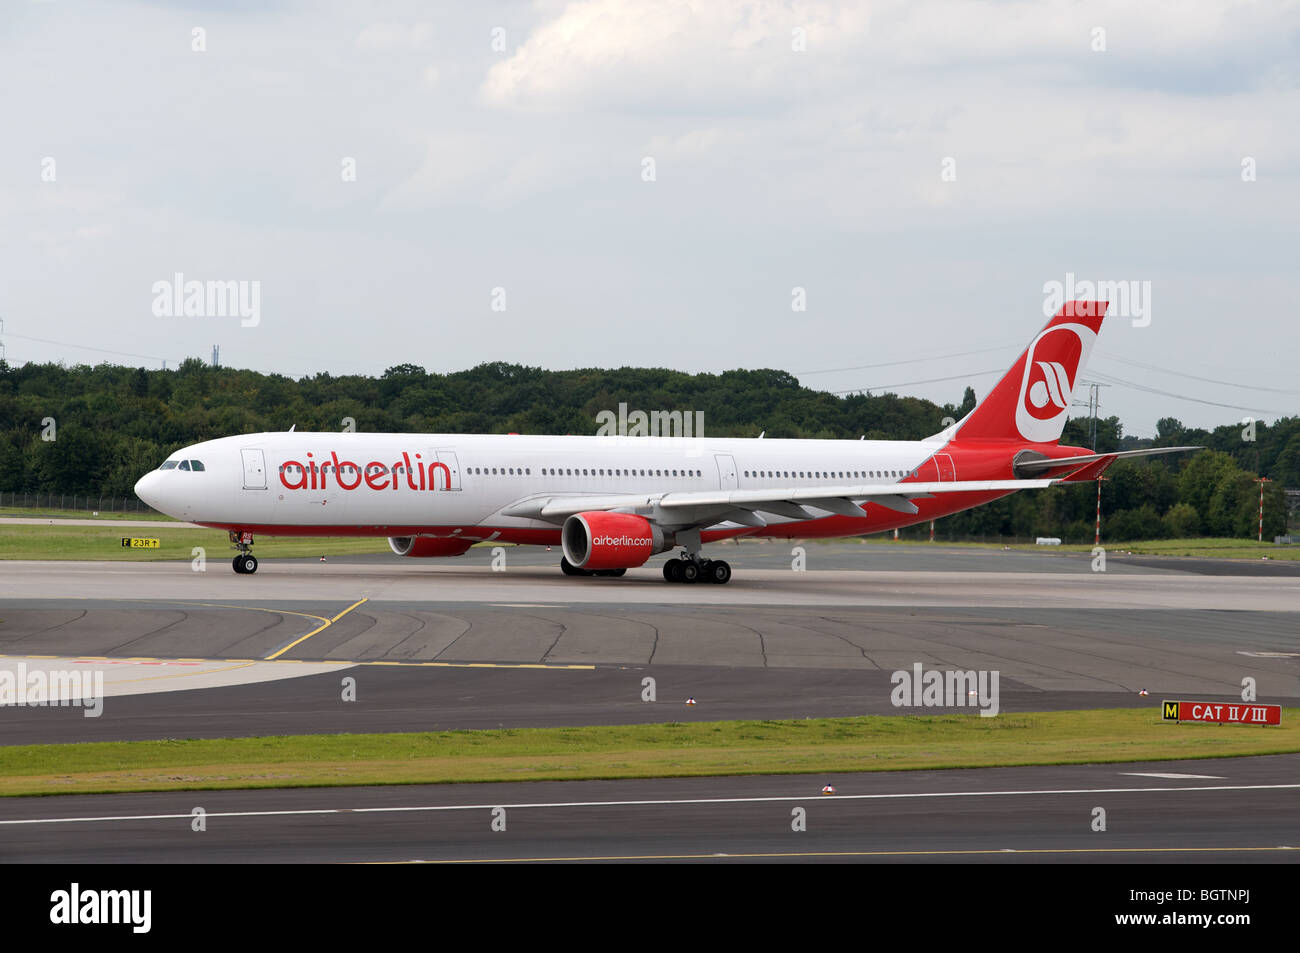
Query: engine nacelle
x=598 y=540
x=428 y=546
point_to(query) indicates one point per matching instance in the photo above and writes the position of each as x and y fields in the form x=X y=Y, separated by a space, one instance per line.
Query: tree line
x=96 y=429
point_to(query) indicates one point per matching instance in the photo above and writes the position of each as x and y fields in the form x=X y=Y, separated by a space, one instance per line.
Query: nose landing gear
x=245 y=563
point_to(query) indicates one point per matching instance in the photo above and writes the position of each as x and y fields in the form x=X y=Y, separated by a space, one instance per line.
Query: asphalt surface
x=1230 y=810
x=414 y=580
x=415 y=699
x=429 y=645
x=187 y=654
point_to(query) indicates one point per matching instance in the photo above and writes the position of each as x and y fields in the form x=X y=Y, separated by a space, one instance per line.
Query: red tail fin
x=1032 y=400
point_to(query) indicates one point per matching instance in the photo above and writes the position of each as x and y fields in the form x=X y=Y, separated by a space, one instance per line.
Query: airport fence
x=38 y=502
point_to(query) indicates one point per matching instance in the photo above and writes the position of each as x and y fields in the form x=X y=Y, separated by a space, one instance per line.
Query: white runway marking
x=1171 y=776
x=143 y=676
x=665 y=802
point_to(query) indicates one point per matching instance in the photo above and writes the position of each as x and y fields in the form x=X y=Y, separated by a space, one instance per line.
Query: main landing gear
x=569 y=569
x=691 y=568
x=245 y=563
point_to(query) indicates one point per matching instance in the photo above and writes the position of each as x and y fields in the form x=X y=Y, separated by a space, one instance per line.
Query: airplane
x=612 y=502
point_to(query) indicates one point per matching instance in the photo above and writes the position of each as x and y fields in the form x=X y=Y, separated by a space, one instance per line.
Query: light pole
x=1261 y=481
x=1096 y=539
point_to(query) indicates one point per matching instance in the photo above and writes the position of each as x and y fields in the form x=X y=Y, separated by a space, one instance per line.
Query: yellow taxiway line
x=320 y=628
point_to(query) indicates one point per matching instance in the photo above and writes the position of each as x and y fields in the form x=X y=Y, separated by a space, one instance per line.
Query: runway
x=1230 y=810
x=436 y=645
x=431 y=645
x=397 y=580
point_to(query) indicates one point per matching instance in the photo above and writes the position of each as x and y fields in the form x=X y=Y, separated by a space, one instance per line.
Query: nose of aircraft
x=146 y=488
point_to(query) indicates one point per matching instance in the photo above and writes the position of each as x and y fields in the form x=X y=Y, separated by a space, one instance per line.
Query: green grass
x=62 y=541
x=43 y=512
x=96 y=543
x=811 y=746
x=1207 y=548
x=1204 y=548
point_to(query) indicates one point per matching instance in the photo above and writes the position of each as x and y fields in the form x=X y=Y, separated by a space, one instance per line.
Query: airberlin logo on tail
x=1050 y=390
x=346 y=475
x=1052 y=366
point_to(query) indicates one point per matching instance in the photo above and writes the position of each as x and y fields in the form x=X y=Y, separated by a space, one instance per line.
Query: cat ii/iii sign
x=1222 y=713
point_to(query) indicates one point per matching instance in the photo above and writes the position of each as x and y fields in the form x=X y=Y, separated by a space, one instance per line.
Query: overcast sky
x=920 y=169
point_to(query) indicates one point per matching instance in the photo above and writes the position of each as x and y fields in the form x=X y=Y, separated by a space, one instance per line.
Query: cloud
x=671 y=56
x=713 y=55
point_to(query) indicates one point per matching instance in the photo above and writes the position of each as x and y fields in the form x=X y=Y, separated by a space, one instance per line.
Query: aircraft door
x=728 y=479
x=254 y=469
x=449 y=480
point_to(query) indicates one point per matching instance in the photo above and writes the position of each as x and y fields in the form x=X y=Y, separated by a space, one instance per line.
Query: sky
x=871 y=196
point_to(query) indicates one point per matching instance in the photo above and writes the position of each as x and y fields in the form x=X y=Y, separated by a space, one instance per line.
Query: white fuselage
x=396 y=484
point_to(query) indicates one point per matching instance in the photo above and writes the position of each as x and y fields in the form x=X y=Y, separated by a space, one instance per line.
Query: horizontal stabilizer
x=1041 y=466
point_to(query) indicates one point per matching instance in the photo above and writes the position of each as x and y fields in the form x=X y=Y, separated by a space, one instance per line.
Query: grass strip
x=62 y=542
x=810 y=746
x=1201 y=548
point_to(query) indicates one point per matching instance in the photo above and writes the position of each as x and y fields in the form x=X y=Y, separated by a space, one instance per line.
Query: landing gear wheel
x=690 y=571
x=673 y=570
x=244 y=563
x=569 y=569
x=613 y=572
x=718 y=572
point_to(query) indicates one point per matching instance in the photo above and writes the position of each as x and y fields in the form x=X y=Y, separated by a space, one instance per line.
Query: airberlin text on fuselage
x=374 y=475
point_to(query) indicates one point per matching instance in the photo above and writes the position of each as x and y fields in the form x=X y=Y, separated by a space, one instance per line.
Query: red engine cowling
x=428 y=546
x=598 y=540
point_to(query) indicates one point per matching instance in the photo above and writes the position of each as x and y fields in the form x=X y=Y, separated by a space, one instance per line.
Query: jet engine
x=428 y=545
x=599 y=540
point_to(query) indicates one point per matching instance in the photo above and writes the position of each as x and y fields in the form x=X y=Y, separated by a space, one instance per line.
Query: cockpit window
x=196 y=464
x=185 y=465
x=169 y=465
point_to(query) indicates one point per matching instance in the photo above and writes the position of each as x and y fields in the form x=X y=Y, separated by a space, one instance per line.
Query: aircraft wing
x=706 y=507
